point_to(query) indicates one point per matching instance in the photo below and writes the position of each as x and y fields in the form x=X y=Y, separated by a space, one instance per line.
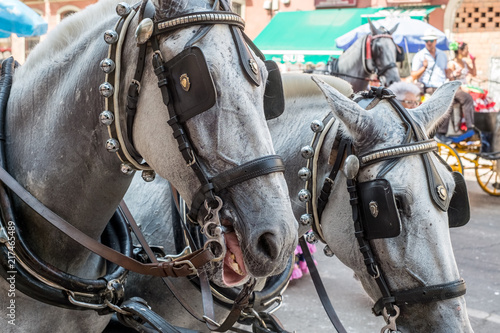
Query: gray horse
x=376 y=53
x=421 y=255
x=56 y=149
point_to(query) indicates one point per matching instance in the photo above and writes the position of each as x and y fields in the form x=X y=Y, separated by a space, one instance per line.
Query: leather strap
x=182 y=267
x=320 y=288
x=426 y=294
x=252 y=169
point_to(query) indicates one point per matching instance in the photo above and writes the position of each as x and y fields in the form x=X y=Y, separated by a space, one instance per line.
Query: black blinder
x=459 y=209
x=400 y=54
x=274 y=99
x=193 y=88
x=378 y=208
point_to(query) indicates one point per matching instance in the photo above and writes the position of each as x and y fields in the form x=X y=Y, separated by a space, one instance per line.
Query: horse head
x=385 y=54
x=229 y=139
x=417 y=258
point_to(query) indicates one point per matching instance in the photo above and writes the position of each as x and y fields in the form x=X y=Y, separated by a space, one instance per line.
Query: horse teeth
x=234 y=265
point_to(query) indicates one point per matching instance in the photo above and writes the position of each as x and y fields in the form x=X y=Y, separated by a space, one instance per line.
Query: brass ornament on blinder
x=185 y=84
x=441 y=191
x=253 y=66
x=373 y=208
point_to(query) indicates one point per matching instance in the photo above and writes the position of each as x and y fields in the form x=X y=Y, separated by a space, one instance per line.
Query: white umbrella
x=407 y=35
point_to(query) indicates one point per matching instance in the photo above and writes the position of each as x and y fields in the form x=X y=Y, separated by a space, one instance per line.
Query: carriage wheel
x=487 y=176
x=450 y=155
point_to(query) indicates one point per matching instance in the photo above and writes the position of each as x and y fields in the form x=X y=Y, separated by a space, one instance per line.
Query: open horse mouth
x=234 y=271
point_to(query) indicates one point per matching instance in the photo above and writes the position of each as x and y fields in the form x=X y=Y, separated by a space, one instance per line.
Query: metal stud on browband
x=317 y=126
x=311 y=237
x=148 y=175
x=112 y=145
x=304 y=174
x=126 y=168
x=110 y=36
x=107 y=117
x=307 y=152
x=306 y=219
x=107 y=65
x=123 y=9
x=106 y=89
x=304 y=195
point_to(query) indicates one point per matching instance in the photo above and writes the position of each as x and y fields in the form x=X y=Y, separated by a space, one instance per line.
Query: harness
x=187 y=89
x=374 y=210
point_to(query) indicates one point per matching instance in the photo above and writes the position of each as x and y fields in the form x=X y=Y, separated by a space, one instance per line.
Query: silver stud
x=441 y=191
x=107 y=65
x=148 y=175
x=144 y=31
x=311 y=237
x=107 y=117
x=373 y=208
x=306 y=219
x=123 y=9
x=351 y=166
x=327 y=251
x=317 y=126
x=126 y=168
x=307 y=152
x=106 y=89
x=304 y=174
x=304 y=195
x=110 y=36
x=112 y=145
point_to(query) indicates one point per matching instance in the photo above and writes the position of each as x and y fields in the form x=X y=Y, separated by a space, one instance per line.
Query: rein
x=388 y=305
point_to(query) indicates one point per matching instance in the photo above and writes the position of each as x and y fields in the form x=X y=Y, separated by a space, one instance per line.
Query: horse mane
x=301 y=85
x=69 y=30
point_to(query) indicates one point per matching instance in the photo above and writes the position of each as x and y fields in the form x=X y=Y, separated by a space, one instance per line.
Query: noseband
x=372 y=199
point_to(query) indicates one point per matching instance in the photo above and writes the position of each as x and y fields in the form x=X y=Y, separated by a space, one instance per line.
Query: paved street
x=477 y=250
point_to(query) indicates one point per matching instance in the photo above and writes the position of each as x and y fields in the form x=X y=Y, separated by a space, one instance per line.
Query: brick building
x=475 y=22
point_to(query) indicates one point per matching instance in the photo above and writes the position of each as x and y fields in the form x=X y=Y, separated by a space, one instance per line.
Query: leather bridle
x=47 y=284
x=391 y=300
x=369 y=65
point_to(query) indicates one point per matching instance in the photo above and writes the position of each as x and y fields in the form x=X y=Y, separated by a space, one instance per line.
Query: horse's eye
x=399 y=204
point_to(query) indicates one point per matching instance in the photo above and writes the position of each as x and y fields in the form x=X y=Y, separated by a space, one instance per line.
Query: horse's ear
x=372 y=27
x=431 y=112
x=393 y=29
x=354 y=117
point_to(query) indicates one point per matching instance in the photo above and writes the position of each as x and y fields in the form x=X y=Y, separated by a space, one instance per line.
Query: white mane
x=69 y=30
x=301 y=85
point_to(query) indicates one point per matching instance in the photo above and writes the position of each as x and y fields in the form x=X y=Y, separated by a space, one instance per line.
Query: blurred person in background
x=407 y=93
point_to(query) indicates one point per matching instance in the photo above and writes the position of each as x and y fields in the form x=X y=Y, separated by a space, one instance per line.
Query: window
x=239 y=7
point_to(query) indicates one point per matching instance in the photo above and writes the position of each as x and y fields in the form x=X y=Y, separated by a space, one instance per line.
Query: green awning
x=417 y=13
x=308 y=36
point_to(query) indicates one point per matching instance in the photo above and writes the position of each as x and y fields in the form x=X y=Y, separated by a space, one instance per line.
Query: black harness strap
x=320 y=288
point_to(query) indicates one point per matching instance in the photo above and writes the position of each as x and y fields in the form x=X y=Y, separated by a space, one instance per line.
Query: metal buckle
x=189 y=263
x=72 y=300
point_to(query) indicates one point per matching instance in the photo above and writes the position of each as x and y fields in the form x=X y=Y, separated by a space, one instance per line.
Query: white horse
x=56 y=149
x=375 y=53
x=420 y=256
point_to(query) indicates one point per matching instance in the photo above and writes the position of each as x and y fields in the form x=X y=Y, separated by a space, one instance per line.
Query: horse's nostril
x=268 y=245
